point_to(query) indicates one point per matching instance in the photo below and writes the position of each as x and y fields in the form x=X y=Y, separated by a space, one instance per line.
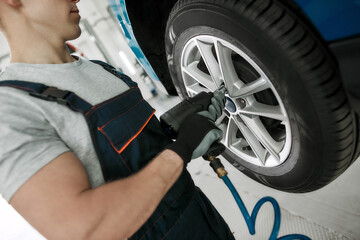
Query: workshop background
x=332 y=212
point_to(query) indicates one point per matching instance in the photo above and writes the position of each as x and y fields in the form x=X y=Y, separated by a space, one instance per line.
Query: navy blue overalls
x=126 y=136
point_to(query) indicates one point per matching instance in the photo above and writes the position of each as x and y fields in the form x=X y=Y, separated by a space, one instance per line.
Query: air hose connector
x=218 y=167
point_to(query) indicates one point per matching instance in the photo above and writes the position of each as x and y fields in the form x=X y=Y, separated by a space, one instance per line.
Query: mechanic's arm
x=60 y=204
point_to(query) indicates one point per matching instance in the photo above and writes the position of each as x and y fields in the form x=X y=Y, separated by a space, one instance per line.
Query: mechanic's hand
x=196 y=134
x=217 y=105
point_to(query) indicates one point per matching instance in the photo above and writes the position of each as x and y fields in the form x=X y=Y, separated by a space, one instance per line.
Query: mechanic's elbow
x=98 y=221
x=108 y=228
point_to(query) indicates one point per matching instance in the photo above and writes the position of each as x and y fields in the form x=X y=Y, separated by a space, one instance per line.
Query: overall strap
x=67 y=98
x=47 y=93
x=116 y=72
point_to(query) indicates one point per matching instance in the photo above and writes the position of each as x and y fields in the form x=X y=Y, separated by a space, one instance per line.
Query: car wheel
x=287 y=122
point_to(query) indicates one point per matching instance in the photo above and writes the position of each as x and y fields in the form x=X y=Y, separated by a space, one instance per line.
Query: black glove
x=195 y=136
x=217 y=105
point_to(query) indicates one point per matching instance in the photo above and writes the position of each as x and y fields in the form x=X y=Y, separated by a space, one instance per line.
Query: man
x=76 y=165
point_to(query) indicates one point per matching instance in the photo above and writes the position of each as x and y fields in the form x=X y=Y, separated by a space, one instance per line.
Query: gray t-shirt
x=33 y=132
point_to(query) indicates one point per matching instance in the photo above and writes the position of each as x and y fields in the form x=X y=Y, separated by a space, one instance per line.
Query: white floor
x=329 y=213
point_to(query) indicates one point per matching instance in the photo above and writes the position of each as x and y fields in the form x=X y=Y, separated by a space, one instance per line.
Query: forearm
x=124 y=206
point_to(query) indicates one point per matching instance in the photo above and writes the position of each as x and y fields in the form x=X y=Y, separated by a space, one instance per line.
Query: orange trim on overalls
x=119 y=151
x=122 y=114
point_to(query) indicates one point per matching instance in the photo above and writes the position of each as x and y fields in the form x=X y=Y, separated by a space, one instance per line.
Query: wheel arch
x=148 y=20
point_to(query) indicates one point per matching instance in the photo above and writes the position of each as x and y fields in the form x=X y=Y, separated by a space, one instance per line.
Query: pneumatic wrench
x=173 y=118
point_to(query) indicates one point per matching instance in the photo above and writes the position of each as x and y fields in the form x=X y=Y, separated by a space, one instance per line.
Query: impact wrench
x=171 y=122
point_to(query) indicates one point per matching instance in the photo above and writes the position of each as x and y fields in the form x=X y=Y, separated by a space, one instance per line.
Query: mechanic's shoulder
x=16 y=99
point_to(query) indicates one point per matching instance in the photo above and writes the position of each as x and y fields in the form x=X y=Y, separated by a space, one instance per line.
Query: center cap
x=230 y=105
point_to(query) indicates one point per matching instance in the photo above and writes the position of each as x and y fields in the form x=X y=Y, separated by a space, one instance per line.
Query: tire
x=287 y=122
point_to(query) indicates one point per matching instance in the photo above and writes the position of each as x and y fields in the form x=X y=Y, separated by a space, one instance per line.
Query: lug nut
x=242 y=103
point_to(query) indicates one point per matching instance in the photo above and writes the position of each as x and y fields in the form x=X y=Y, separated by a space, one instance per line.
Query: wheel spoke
x=264 y=110
x=210 y=61
x=259 y=131
x=251 y=88
x=195 y=89
x=231 y=79
x=252 y=140
x=193 y=71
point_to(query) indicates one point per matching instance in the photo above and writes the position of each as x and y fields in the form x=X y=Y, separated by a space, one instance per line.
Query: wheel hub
x=230 y=105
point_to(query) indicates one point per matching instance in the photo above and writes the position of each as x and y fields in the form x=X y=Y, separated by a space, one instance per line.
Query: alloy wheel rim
x=255 y=123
